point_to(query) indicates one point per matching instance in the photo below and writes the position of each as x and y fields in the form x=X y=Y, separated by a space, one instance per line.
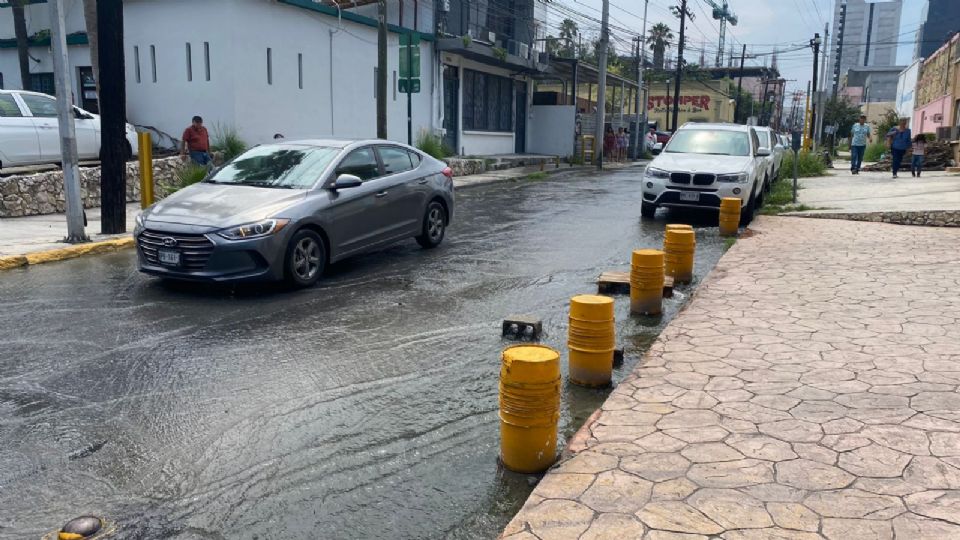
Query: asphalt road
x=362 y=408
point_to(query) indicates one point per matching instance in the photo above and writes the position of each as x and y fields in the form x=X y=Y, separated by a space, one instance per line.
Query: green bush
x=432 y=145
x=874 y=151
x=227 y=140
x=190 y=174
x=808 y=165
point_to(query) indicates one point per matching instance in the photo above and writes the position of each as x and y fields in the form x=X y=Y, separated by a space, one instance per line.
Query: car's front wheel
x=648 y=210
x=434 y=226
x=746 y=213
x=305 y=259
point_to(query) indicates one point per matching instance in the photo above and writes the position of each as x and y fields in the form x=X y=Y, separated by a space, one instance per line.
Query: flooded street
x=365 y=407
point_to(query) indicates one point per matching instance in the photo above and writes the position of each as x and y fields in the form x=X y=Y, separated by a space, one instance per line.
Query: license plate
x=689 y=196
x=168 y=257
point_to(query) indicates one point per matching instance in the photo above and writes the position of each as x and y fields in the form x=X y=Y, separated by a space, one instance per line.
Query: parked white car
x=769 y=140
x=30 y=131
x=704 y=163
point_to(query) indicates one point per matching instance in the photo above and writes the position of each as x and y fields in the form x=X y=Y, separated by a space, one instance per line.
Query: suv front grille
x=195 y=249
x=703 y=179
x=680 y=178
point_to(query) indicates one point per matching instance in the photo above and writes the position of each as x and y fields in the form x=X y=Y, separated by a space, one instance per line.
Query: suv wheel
x=306 y=258
x=648 y=210
x=746 y=213
x=434 y=226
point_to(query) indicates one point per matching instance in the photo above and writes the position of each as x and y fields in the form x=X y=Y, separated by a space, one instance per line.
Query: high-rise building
x=865 y=33
x=939 y=21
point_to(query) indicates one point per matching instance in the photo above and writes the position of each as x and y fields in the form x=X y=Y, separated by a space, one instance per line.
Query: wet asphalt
x=365 y=407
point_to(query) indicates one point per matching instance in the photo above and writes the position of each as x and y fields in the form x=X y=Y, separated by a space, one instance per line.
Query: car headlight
x=739 y=178
x=139 y=223
x=254 y=230
x=657 y=173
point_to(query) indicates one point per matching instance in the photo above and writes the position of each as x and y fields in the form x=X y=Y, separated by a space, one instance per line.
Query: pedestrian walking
x=196 y=143
x=899 y=141
x=621 y=144
x=919 y=149
x=859 y=138
x=651 y=139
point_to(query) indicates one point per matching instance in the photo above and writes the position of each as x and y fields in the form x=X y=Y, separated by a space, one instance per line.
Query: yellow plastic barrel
x=729 y=216
x=679 y=227
x=591 y=339
x=646 y=281
x=679 y=247
x=529 y=407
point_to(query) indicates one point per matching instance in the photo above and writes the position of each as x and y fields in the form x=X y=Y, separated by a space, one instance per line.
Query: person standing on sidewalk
x=919 y=149
x=899 y=141
x=859 y=138
x=196 y=143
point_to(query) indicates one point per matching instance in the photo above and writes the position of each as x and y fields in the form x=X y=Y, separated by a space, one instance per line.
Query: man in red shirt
x=196 y=142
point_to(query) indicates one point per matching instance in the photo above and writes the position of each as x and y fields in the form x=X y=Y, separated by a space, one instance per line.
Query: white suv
x=30 y=131
x=770 y=141
x=704 y=163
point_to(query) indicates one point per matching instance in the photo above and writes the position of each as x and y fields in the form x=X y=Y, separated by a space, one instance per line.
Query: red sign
x=700 y=102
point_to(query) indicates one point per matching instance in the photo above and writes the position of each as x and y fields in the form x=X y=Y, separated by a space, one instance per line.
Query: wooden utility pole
x=23 y=42
x=113 y=118
x=382 y=69
x=681 y=12
x=815 y=43
x=602 y=83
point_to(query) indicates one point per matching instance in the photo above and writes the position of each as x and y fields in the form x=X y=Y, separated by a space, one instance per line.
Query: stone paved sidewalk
x=809 y=390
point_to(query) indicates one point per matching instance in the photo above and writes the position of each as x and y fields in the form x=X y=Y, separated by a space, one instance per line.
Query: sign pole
x=410 y=92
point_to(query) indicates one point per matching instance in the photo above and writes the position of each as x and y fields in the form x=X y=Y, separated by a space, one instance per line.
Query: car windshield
x=277 y=166
x=713 y=142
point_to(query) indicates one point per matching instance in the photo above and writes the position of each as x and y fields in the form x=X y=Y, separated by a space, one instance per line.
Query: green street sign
x=409 y=61
x=409 y=86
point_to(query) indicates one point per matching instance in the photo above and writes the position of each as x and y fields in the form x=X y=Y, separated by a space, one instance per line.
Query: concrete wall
x=925 y=118
x=551 y=130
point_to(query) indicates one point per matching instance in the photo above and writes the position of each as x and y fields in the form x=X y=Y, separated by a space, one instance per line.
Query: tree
x=840 y=112
x=568 y=36
x=90 y=19
x=660 y=38
x=888 y=121
x=745 y=103
x=23 y=43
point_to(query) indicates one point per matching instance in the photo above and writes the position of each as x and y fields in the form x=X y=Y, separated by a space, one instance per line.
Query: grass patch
x=809 y=164
x=537 y=176
x=226 y=139
x=432 y=145
x=780 y=199
x=874 y=151
x=190 y=174
x=728 y=243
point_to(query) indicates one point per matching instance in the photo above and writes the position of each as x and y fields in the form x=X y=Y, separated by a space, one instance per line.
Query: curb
x=62 y=254
x=551 y=173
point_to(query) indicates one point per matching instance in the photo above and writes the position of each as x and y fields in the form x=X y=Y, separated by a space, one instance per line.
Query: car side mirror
x=763 y=152
x=346 y=181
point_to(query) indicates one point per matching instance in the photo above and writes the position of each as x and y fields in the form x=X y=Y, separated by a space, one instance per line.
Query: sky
x=762 y=25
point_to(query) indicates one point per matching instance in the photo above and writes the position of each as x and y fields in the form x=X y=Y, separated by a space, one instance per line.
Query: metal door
x=520 y=134
x=451 y=107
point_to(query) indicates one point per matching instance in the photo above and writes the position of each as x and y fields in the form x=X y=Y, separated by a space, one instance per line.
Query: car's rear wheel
x=648 y=210
x=746 y=213
x=434 y=226
x=305 y=259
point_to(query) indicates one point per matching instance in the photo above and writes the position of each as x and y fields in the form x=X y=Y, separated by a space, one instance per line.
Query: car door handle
x=381 y=195
x=423 y=181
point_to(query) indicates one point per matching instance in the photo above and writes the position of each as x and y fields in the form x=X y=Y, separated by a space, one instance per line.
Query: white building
x=906 y=90
x=295 y=67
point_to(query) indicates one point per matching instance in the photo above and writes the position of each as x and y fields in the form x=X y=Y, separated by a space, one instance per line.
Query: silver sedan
x=284 y=211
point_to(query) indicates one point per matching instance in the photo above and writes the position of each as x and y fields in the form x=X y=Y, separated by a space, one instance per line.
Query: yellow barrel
x=729 y=216
x=646 y=281
x=529 y=407
x=591 y=339
x=679 y=227
x=679 y=247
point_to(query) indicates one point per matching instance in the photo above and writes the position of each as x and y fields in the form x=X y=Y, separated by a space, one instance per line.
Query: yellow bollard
x=679 y=246
x=529 y=407
x=729 y=216
x=646 y=282
x=591 y=339
x=145 y=153
x=679 y=227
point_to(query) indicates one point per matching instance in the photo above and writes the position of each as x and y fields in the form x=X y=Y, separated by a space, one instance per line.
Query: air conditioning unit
x=543 y=58
x=524 y=50
x=491 y=36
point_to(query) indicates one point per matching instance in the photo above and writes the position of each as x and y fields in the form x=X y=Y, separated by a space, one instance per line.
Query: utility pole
x=820 y=94
x=113 y=118
x=641 y=116
x=736 y=105
x=815 y=42
x=382 y=69
x=602 y=84
x=682 y=12
x=65 y=117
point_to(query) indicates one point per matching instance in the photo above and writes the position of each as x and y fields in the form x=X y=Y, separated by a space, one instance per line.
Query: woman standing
x=899 y=141
x=919 y=149
x=609 y=144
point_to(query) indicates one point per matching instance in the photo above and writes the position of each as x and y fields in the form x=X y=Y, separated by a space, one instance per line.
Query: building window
x=136 y=62
x=189 y=64
x=269 y=65
x=206 y=58
x=300 y=70
x=487 y=102
x=43 y=82
x=153 y=62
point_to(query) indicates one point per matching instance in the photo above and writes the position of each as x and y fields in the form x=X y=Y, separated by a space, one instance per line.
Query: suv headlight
x=739 y=178
x=652 y=172
x=254 y=230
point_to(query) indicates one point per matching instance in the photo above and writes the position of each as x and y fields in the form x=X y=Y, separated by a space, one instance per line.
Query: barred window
x=487 y=102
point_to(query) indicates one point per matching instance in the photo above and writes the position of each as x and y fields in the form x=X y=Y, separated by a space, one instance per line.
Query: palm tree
x=568 y=33
x=660 y=38
x=23 y=51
